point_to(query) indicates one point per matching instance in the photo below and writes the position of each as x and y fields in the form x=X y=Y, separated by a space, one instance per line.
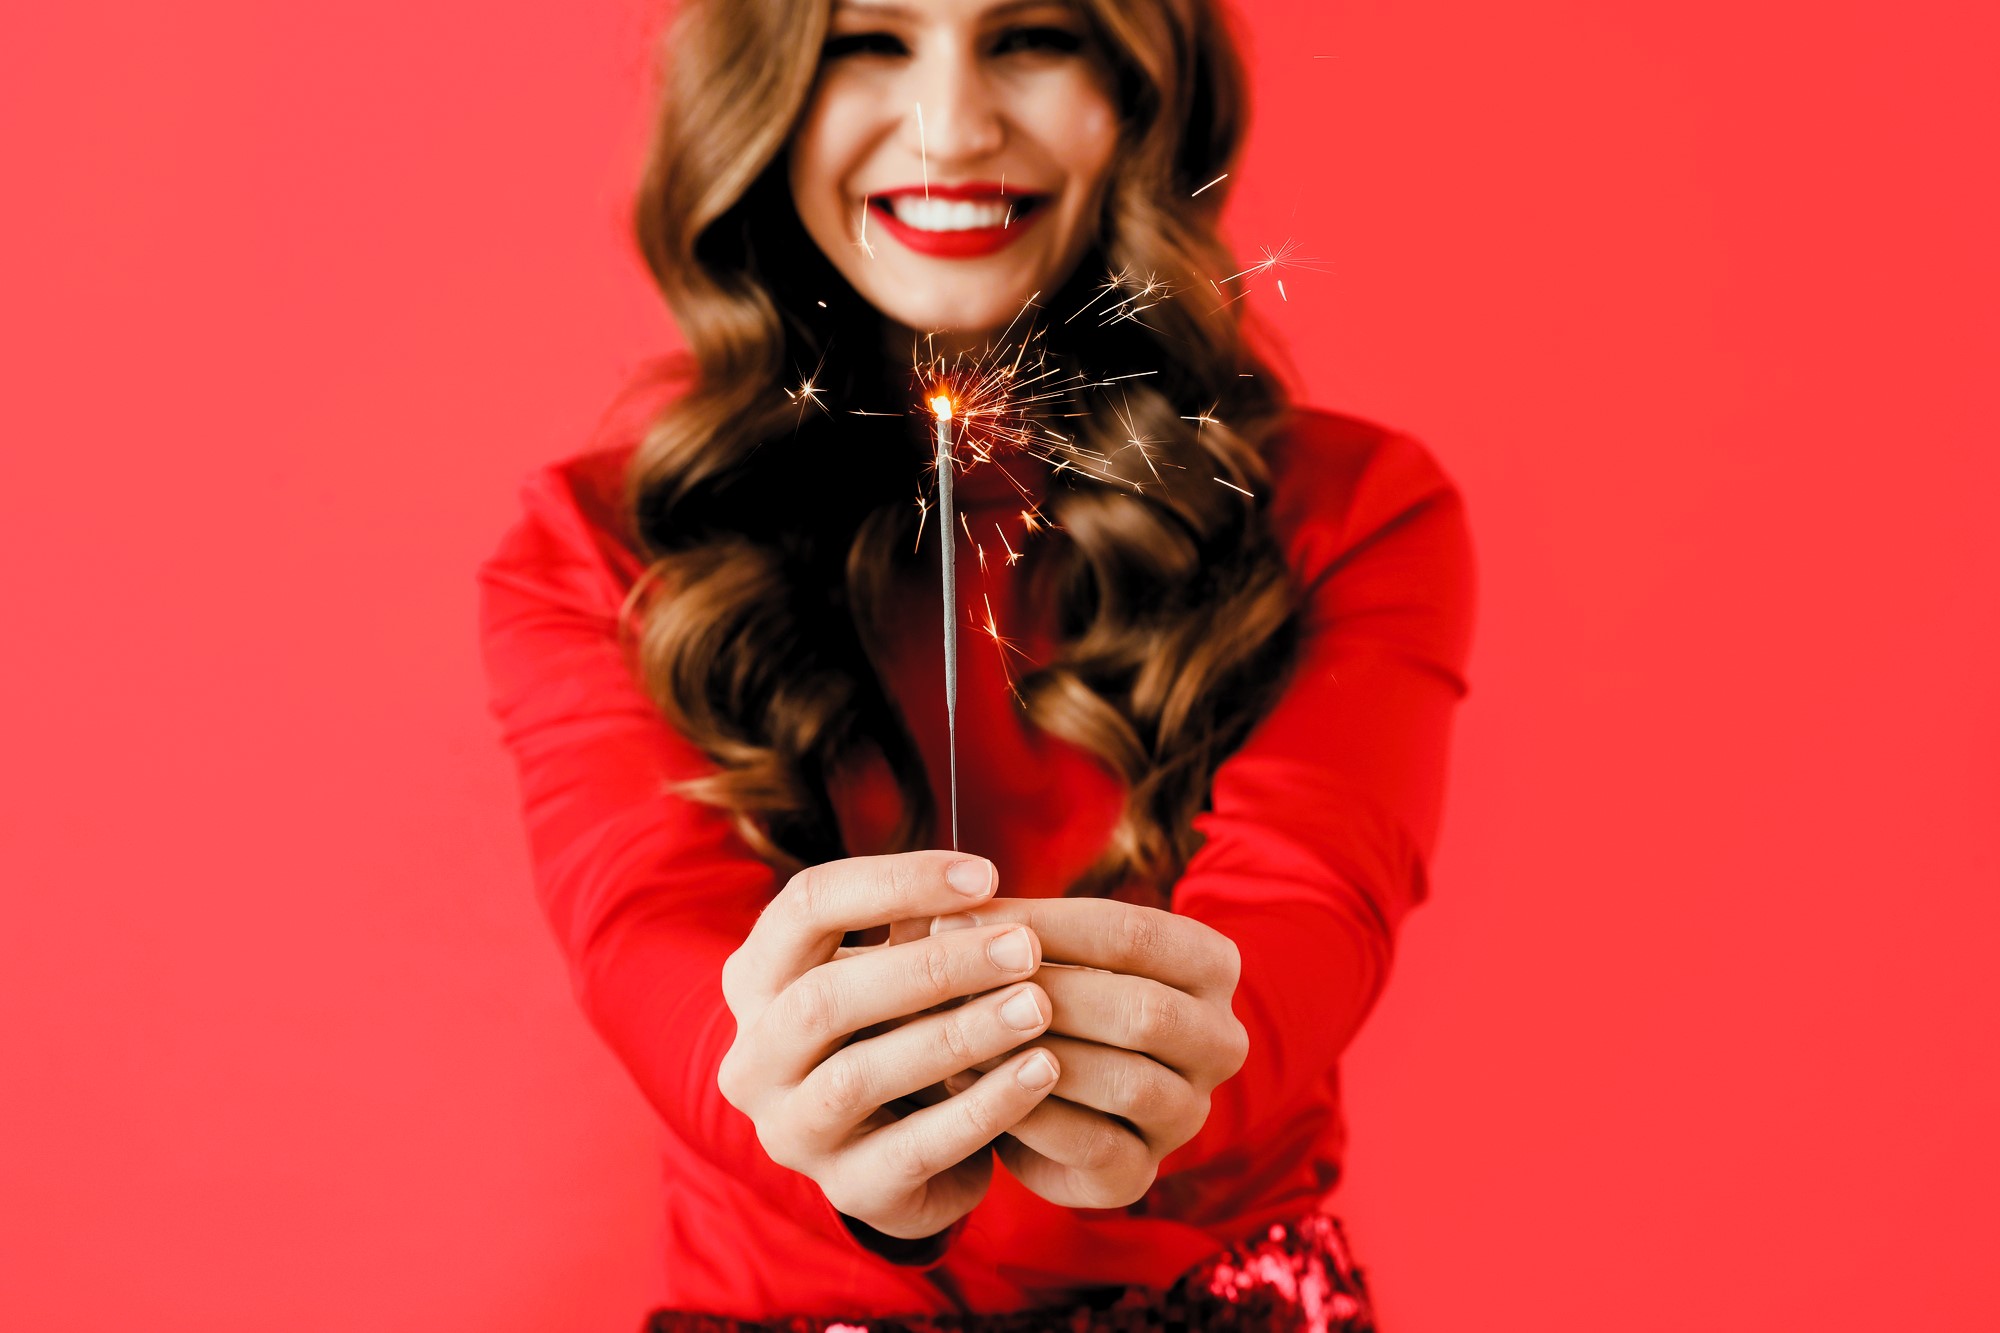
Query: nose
x=961 y=122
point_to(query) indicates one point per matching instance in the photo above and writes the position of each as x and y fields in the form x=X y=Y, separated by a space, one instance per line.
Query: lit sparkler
x=941 y=408
x=1002 y=402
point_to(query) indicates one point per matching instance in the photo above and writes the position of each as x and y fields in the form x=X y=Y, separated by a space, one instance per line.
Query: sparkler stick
x=948 y=542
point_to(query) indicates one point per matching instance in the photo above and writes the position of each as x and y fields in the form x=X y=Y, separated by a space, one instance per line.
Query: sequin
x=1297 y=1278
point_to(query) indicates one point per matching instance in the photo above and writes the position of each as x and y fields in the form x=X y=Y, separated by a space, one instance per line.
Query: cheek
x=1081 y=124
x=817 y=157
x=1094 y=140
x=804 y=171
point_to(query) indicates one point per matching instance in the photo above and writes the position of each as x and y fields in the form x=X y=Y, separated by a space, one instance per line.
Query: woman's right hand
x=820 y=1098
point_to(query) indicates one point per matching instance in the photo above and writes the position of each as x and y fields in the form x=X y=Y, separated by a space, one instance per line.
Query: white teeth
x=914 y=210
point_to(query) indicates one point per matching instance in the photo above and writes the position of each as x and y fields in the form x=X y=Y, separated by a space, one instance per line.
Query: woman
x=1200 y=748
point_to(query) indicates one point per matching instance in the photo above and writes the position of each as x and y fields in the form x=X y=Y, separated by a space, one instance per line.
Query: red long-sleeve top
x=1317 y=840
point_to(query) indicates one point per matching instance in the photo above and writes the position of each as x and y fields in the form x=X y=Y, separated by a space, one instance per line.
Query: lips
x=965 y=242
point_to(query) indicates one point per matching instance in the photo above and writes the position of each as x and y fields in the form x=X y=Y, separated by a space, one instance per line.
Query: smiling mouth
x=943 y=216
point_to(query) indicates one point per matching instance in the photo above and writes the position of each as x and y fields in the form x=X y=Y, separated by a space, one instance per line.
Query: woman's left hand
x=1144 y=1031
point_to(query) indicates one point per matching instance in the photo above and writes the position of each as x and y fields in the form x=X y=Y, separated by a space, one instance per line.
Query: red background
x=1691 y=299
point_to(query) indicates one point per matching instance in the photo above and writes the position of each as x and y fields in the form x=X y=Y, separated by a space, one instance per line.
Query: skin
x=841 y=1051
x=1018 y=92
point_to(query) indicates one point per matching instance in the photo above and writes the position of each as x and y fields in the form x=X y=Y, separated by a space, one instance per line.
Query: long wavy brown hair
x=771 y=538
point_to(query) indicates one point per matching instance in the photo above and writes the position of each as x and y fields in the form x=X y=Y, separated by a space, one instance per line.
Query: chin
x=976 y=313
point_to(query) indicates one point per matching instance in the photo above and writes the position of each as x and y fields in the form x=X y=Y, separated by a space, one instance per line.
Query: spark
x=1003 y=645
x=1127 y=307
x=1010 y=399
x=1114 y=283
x=863 y=243
x=1207 y=418
x=1234 y=487
x=923 y=512
x=1134 y=440
x=808 y=392
x=1217 y=181
x=981 y=550
x=1282 y=257
x=1013 y=556
x=1281 y=289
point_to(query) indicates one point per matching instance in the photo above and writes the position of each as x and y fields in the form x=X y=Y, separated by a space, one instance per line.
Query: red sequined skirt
x=1294 y=1278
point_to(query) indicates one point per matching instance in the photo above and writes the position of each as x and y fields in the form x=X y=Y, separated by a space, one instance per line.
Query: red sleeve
x=647 y=893
x=1321 y=825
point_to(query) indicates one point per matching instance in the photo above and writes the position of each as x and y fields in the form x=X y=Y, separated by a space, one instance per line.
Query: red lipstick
x=971 y=242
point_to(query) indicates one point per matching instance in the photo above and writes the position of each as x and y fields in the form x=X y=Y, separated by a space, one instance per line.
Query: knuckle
x=811 y=1007
x=837 y=1183
x=1103 y=1149
x=808 y=890
x=1140 y=1094
x=778 y=1144
x=1121 y=1172
x=981 y=1120
x=908 y=876
x=906 y=1155
x=1239 y=1044
x=1139 y=935
x=1153 y=1017
x=1203 y=1104
x=955 y=1036
x=934 y=971
x=841 y=1090
x=728 y=1078
x=1232 y=960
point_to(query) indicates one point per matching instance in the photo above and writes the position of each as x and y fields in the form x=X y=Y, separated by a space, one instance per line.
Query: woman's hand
x=818 y=1088
x=1143 y=1043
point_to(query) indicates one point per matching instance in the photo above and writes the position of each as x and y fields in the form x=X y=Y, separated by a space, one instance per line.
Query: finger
x=815 y=1015
x=1137 y=1014
x=904 y=929
x=806 y=923
x=903 y=1156
x=1173 y=950
x=848 y=1086
x=1135 y=1091
x=1077 y=1157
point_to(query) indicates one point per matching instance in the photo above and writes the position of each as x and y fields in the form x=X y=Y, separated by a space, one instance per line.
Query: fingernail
x=1038 y=1072
x=974 y=879
x=1021 y=1011
x=1011 y=952
x=956 y=921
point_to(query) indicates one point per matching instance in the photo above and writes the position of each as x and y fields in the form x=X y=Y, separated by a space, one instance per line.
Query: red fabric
x=1317 y=843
